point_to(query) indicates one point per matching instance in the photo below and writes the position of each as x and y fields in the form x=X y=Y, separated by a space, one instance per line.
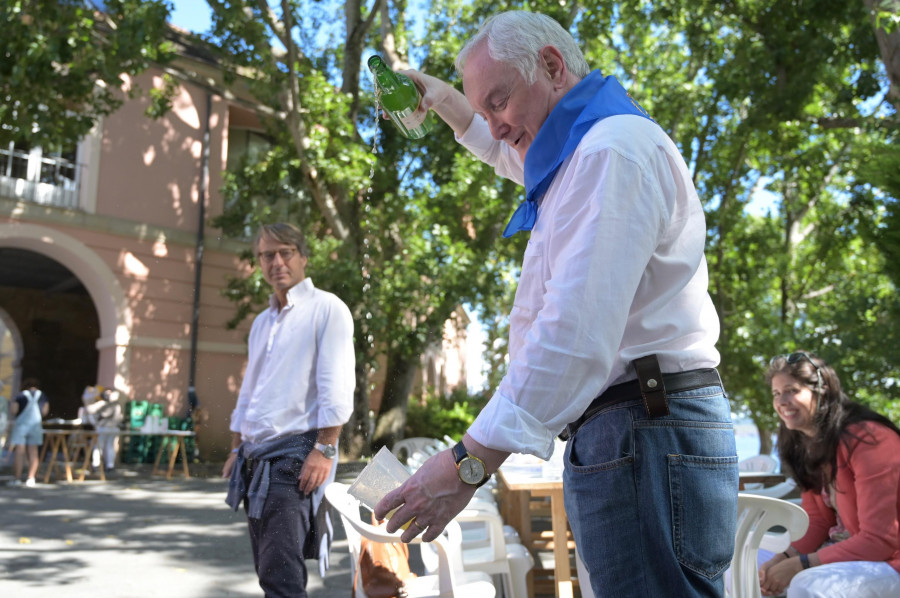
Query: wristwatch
x=471 y=469
x=326 y=449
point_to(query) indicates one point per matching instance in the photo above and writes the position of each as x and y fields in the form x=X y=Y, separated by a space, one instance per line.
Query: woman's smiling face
x=795 y=403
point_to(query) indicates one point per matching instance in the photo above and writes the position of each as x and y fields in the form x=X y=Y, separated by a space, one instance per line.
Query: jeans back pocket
x=704 y=511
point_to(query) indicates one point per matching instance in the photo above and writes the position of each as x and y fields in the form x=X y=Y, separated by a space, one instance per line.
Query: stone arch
x=113 y=312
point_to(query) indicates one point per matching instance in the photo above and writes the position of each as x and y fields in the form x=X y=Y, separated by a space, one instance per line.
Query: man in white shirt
x=612 y=334
x=296 y=394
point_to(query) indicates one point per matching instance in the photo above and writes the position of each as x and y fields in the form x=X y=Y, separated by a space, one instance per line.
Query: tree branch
x=388 y=41
x=297 y=130
x=277 y=27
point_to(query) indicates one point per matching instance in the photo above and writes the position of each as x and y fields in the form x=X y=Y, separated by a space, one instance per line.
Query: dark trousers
x=278 y=537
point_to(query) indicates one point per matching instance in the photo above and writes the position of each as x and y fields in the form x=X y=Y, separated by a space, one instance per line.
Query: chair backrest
x=448 y=548
x=756 y=515
x=403 y=449
x=493 y=524
x=341 y=502
x=759 y=464
x=777 y=491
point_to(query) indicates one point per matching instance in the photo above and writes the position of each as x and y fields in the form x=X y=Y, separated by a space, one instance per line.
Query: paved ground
x=135 y=537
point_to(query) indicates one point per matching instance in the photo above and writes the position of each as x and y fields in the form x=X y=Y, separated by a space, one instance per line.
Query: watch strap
x=459 y=452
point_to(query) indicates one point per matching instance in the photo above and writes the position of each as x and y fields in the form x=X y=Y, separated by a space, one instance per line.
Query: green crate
x=136 y=412
x=139 y=449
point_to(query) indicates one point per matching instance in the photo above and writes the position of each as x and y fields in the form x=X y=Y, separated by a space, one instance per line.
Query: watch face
x=328 y=450
x=471 y=471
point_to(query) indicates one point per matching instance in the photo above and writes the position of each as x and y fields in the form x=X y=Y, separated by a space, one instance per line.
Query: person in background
x=88 y=397
x=296 y=394
x=103 y=410
x=29 y=409
x=612 y=333
x=846 y=460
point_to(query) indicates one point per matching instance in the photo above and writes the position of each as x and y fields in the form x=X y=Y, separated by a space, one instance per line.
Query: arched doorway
x=57 y=326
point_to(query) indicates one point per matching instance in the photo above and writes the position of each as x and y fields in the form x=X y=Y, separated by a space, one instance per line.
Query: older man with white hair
x=612 y=333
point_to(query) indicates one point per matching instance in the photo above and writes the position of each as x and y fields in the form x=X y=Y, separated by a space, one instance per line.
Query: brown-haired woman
x=846 y=460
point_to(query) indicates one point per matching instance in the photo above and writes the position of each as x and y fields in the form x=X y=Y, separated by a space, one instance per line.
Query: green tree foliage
x=785 y=110
x=405 y=233
x=439 y=416
x=63 y=63
x=781 y=109
x=798 y=100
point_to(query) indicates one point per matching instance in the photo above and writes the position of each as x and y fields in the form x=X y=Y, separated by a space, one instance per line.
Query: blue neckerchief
x=594 y=98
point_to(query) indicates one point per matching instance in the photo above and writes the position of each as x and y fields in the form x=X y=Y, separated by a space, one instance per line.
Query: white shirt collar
x=295 y=293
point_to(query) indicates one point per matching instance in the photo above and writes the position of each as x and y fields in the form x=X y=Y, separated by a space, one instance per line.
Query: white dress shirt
x=301 y=367
x=614 y=270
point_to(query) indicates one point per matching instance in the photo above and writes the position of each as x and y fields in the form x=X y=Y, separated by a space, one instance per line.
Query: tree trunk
x=355 y=433
x=889 y=46
x=765 y=440
x=397 y=386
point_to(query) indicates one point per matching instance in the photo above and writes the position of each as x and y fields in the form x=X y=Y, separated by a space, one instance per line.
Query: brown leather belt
x=648 y=388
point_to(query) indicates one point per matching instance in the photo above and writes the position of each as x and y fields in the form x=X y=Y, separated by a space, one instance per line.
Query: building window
x=39 y=175
x=244 y=144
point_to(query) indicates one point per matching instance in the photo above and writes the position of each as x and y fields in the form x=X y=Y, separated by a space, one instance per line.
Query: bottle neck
x=385 y=77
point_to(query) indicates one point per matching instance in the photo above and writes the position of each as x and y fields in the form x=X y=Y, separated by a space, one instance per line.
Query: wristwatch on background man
x=471 y=469
x=326 y=449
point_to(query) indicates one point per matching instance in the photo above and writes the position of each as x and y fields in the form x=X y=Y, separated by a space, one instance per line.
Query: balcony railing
x=45 y=180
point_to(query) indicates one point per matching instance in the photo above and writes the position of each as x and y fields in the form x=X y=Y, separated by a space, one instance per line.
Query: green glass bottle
x=400 y=98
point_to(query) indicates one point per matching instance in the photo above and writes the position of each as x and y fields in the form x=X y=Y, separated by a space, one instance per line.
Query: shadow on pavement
x=135 y=537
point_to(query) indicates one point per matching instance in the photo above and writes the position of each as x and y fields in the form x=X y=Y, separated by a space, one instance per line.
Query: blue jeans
x=653 y=502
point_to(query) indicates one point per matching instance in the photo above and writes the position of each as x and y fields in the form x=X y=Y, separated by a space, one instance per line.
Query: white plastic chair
x=584 y=580
x=475 y=533
x=777 y=491
x=405 y=448
x=510 y=561
x=450 y=580
x=756 y=516
x=489 y=546
x=759 y=464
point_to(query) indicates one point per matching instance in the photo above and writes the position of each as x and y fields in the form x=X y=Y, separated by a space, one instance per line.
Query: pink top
x=867 y=497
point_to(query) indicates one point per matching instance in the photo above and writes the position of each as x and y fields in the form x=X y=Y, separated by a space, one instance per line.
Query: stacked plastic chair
x=487 y=545
x=449 y=580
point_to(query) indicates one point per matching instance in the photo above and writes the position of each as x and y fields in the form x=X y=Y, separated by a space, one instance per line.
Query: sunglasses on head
x=797 y=357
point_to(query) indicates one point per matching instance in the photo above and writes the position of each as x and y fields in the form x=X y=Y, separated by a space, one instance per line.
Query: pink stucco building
x=99 y=255
x=99 y=252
